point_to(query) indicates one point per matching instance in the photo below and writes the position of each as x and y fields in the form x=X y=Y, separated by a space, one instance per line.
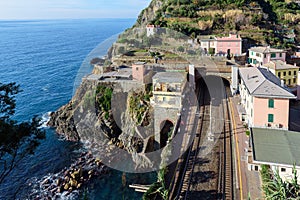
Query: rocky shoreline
x=70 y=181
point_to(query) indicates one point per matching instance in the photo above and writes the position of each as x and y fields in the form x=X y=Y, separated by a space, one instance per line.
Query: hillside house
x=151 y=30
x=258 y=56
x=221 y=45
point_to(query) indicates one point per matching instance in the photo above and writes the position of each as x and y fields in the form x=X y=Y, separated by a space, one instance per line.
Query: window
x=256 y=168
x=254 y=61
x=295 y=73
x=294 y=80
x=280 y=55
x=279 y=74
x=289 y=81
x=273 y=55
x=265 y=55
x=284 y=73
x=271 y=103
x=282 y=169
x=252 y=53
x=251 y=113
x=137 y=69
x=270 y=118
x=290 y=73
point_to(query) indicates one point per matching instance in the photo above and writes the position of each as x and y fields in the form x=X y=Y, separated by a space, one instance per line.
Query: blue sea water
x=44 y=56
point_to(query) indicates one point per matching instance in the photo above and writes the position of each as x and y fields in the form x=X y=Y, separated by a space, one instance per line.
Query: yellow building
x=286 y=72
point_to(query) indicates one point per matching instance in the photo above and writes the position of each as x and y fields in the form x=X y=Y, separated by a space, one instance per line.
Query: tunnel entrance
x=166 y=128
x=215 y=87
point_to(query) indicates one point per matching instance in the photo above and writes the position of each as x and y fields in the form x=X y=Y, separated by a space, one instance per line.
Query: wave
x=44 y=120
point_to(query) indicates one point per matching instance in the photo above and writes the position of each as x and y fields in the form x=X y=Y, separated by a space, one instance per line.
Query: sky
x=70 y=9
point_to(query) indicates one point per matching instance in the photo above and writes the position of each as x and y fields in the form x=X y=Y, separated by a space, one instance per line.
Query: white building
x=151 y=30
x=259 y=56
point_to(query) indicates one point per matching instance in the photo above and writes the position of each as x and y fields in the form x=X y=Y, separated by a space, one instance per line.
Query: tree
x=17 y=140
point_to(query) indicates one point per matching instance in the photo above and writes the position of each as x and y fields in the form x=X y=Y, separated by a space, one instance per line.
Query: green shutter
x=270 y=118
x=271 y=103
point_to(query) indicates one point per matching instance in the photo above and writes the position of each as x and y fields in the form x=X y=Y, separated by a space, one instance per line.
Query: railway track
x=194 y=149
x=226 y=186
x=187 y=162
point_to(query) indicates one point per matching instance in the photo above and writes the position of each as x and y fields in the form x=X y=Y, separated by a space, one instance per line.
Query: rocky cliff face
x=148 y=14
x=106 y=133
x=83 y=117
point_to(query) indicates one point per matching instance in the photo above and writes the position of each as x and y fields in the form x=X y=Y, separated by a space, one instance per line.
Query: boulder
x=75 y=175
x=67 y=186
x=73 y=183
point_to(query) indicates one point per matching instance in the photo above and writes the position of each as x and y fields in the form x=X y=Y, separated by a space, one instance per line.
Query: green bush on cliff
x=103 y=99
x=137 y=107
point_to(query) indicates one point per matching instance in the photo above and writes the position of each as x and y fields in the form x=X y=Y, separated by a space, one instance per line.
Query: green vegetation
x=103 y=99
x=17 y=140
x=139 y=105
x=253 y=19
x=158 y=188
x=211 y=51
x=180 y=49
x=275 y=188
x=248 y=133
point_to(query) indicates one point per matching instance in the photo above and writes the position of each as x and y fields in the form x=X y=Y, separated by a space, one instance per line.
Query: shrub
x=247 y=132
x=180 y=49
x=211 y=51
x=103 y=99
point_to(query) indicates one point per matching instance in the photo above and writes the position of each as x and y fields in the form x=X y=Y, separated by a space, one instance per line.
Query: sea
x=48 y=58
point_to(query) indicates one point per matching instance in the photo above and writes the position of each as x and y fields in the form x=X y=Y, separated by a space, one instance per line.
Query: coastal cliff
x=93 y=116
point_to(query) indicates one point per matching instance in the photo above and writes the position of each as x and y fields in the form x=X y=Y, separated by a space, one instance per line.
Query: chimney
x=295 y=65
x=282 y=83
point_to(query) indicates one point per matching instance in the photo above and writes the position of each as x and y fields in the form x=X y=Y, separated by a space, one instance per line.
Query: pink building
x=266 y=103
x=221 y=45
x=233 y=43
x=142 y=73
x=138 y=71
x=258 y=56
